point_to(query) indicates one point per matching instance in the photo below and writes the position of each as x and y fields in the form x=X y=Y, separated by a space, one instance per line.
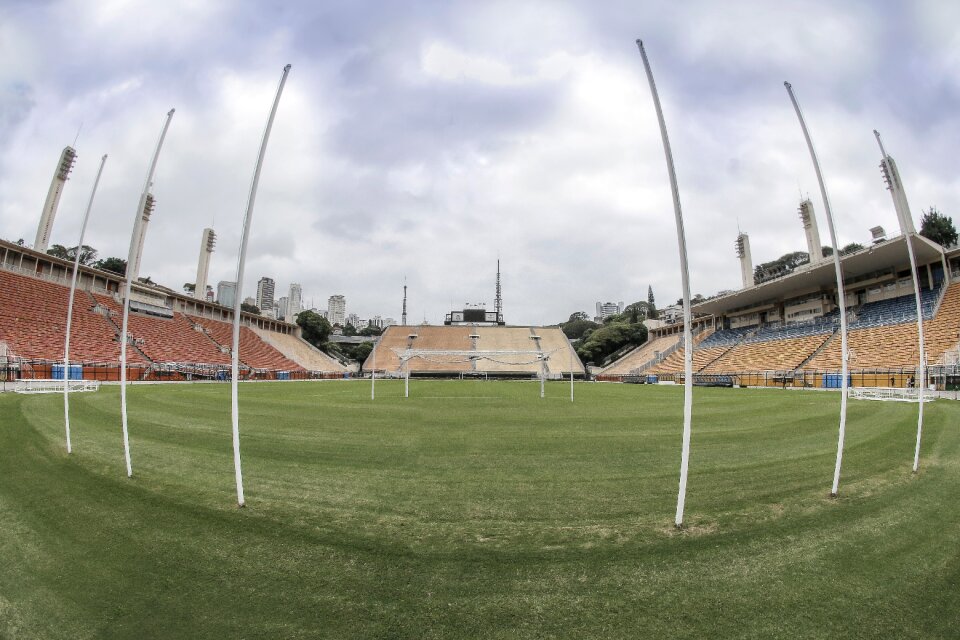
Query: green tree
x=349 y=330
x=578 y=315
x=362 y=351
x=576 y=329
x=189 y=287
x=609 y=338
x=87 y=253
x=250 y=308
x=370 y=330
x=780 y=267
x=314 y=328
x=58 y=251
x=938 y=227
x=114 y=265
x=853 y=247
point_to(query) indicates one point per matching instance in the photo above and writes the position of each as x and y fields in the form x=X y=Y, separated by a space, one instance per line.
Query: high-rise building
x=294 y=301
x=354 y=319
x=265 y=294
x=226 y=293
x=605 y=309
x=283 y=308
x=337 y=309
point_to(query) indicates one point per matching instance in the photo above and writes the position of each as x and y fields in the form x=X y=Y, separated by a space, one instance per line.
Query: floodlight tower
x=891 y=176
x=67 y=158
x=809 y=221
x=207 y=242
x=746 y=261
x=403 y=316
x=133 y=264
x=498 y=300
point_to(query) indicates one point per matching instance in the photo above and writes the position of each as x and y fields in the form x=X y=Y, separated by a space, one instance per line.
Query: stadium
x=474 y=477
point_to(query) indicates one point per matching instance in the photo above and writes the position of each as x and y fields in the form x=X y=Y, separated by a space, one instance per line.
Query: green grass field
x=476 y=510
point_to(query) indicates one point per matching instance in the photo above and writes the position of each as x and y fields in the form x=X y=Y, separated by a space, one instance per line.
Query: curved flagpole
x=900 y=202
x=73 y=290
x=841 y=296
x=685 y=276
x=235 y=366
x=128 y=287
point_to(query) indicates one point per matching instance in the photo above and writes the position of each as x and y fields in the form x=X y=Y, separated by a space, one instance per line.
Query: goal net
x=892 y=394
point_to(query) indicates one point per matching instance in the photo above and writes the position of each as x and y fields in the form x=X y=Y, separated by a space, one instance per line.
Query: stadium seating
x=294 y=348
x=458 y=338
x=33 y=320
x=785 y=354
x=254 y=352
x=554 y=342
x=640 y=356
x=892 y=346
x=439 y=338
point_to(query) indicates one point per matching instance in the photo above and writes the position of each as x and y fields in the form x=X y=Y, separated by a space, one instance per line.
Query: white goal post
x=449 y=356
x=890 y=394
x=41 y=385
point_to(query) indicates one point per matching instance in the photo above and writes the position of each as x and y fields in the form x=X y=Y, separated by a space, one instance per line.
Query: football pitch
x=476 y=510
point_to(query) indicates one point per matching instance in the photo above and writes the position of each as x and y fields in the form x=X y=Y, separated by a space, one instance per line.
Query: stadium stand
x=636 y=360
x=254 y=352
x=507 y=339
x=33 y=301
x=33 y=317
x=548 y=340
x=874 y=345
x=555 y=343
x=301 y=352
x=785 y=354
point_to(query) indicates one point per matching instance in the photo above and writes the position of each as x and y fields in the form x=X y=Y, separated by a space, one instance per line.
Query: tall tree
x=189 y=287
x=650 y=299
x=87 y=253
x=851 y=248
x=938 y=227
x=114 y=265
x=315 y=328
x=608 y=338
x=578 y=328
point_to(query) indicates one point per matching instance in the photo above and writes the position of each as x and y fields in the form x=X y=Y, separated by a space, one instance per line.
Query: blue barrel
x=835 y=380
x=76 y=372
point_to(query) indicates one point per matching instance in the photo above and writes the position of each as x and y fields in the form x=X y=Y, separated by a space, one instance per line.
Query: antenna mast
x=403 y=317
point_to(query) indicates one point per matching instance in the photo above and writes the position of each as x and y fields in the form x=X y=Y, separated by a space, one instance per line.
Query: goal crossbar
x=471 y=354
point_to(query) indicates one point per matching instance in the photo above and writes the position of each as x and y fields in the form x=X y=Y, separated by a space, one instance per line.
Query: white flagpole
x=235 y=368
x=128 y=287
x=73 y=289
x=543 y=374
x=900 y=202
x=841 y=296
x=685 y=277
x=373 y=373
x=571 y=373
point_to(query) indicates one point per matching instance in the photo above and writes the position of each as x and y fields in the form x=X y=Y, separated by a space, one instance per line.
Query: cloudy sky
x=425 y=139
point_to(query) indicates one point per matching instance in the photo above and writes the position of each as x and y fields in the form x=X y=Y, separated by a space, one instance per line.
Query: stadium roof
x=875 y=258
